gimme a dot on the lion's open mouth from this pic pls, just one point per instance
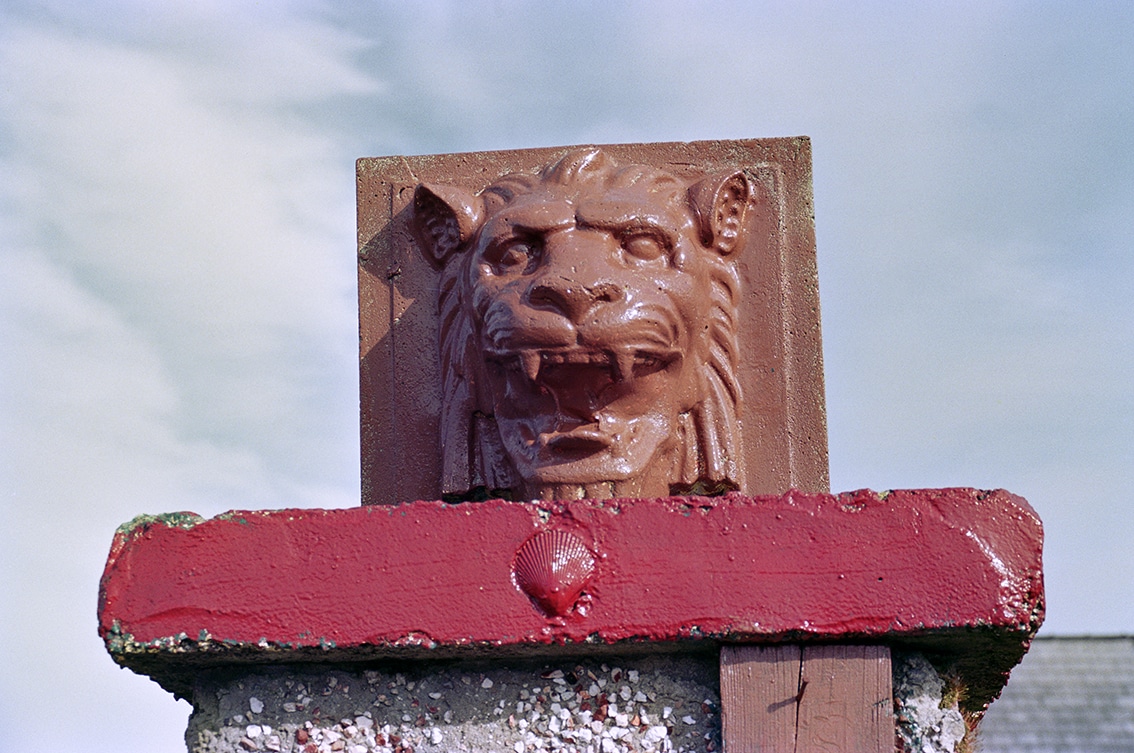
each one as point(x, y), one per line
point(582, 382)
point(587, 369)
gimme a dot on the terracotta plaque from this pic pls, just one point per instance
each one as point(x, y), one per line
point(616, 321)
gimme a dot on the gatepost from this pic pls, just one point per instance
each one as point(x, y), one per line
point(595, 508)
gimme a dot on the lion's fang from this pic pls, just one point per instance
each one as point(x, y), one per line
point(623, 366)
point(530, 360)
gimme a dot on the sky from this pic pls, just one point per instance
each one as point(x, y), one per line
point(177, 244)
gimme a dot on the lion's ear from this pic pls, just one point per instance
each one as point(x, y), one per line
point(720, 202)
point(445, 218)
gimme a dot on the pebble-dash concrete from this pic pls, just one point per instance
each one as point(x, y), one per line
point(664, 703)
point(643, 704)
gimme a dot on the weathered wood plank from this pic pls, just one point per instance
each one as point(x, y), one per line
point(818, 699)
point(759, 686)
point(846, 701)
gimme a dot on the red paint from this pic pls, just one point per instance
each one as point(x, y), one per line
point(851, 566)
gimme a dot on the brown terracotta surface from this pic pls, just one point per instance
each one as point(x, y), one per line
point(781, 414)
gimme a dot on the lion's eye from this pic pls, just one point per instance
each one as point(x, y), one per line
point(643, 246)
point(512, 255)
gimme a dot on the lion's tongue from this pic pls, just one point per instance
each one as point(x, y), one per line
point(578, 391)
point(585, 441)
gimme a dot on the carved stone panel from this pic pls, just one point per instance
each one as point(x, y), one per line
point(617, 321)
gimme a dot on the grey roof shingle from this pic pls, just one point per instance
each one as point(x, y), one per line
point(1072, 695)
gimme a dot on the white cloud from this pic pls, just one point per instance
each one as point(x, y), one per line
point(85, 420)
point(207, 219)
point(178, 321)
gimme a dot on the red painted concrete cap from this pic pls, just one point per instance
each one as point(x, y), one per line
point(951, 570)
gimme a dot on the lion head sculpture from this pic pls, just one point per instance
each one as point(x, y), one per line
point(588, 330)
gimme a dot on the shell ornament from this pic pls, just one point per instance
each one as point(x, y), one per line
point(553, 567)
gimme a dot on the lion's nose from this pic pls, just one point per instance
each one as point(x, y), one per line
point(572, 299)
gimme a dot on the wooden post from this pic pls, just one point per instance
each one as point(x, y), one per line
point(759, 691)
point(815, 699)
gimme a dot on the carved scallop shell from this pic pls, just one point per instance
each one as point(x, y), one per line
point(552, 568)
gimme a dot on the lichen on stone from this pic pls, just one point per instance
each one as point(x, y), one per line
point(928, 713)
point(169, 519)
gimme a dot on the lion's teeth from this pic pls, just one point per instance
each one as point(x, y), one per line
point(623, 366)
point(530, 361)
